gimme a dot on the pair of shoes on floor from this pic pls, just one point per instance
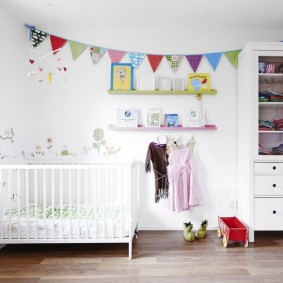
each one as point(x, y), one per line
point(199, 234)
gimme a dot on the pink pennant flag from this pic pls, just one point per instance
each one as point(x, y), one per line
point(194, 61)
point(116, 56)
point(154, 61)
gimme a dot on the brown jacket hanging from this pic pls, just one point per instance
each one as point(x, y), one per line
point(156, 154)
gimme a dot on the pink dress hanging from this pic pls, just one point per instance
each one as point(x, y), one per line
point(184, 192)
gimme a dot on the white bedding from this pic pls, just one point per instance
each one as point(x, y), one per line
point(69, 222)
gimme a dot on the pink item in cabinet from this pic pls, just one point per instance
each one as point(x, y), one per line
point(270, 68)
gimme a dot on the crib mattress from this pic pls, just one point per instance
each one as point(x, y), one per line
point(66, 222)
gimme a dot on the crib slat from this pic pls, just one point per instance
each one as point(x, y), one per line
point(52, 202)
point(27, 182)
point(1, 205)
point(18, 201)
point(86, 202)
point(61, 202)
point(69, 201)
point(78, 202)
point(10, 202)
point(44, 202)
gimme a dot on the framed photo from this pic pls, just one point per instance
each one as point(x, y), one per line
point(179, 84)
point(194, 117)
point(153, 117)
point(127, 117)
point(145, 82)
point(199, 82)
point(164, 83)
point(171, 120)
point(121, 76)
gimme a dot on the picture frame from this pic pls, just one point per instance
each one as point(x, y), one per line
point(164, 83)
point(153, 117)
point(194, 117)
point(127, 117)
point(145, 82)
point(199, 82)
point(179, 84)
point(171, 120)
point(121, 76)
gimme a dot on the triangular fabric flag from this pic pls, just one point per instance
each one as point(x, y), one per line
point(76, 48)
point(136, 58)
point(154, 61)
point(37, 37)
point(232, 56)
point(56, 43)
point(194, 61)
point(213, 59)
point(116, 56)
point(174, 61)
point(96, 53)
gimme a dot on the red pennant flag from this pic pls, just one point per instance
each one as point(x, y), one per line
point(116, 56)
point(57, 43)
point(154, 61)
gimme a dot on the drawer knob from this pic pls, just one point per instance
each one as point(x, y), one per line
point(274, 167)
point(274, 211)
point(274, 185)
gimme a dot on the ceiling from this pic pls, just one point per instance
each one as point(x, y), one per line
point(82, 19)
point(235, 14)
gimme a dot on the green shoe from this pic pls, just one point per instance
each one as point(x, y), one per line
point(201, 232)
point(188, 232)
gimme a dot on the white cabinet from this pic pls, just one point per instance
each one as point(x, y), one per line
point(260, 136)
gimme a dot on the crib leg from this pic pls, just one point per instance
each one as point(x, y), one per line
point(130, 248)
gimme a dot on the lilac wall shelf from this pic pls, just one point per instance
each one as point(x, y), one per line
point(163, 128)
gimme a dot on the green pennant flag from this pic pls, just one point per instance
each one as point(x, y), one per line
point(232, 56)
point(76, 48)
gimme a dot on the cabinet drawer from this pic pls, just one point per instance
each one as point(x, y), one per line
point(269, 213)
point(268, 185)
point(269, 167)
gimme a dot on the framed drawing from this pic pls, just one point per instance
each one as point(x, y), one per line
point(199, 82)
point(153, 117)
point(171, 120)
point(127, 117)
point(164, 83)
point(145, 82)
point(179, 84)
point(121, 76)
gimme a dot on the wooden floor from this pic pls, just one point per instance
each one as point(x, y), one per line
point(158, 256)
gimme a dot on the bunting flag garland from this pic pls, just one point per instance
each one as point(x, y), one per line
point(76, 48)
point(232, 56)
point(154, 61)
point(136, 58)
point(56, 43)
point(194, 61)
point(37, 37)
point(213, 59)
point(174, 61)
point(96, 53)
point(116, 56)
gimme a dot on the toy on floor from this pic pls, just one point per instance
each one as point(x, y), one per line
point(201, 232)
point(188, 232)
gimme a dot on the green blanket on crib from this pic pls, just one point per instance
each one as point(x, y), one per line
point(73, 212)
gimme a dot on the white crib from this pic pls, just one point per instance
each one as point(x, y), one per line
point(91, 203)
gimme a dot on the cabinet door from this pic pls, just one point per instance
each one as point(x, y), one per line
point(269, 104)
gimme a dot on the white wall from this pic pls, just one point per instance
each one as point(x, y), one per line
point(68, 112)
point(13, 87)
